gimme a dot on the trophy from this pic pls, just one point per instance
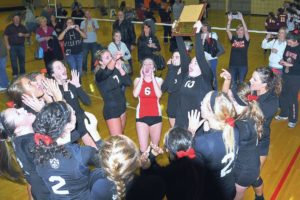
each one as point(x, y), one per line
point(188, 17)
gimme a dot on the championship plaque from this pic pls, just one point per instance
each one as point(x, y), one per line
point(188, 17)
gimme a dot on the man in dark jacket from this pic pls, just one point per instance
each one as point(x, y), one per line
point(127, 31)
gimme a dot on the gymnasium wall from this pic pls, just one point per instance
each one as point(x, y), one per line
point(265, 6)
point(260, 7)
point(10, 3)
point(86, 3)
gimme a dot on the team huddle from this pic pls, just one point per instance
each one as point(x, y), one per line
point(217, 144)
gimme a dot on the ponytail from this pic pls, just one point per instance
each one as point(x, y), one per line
point(244, 98)
point(8, 165)
point(119, 160)
point(228, 138)
point(224, 112)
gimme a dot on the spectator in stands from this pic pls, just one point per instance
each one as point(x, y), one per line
point(30, 21)
point(277, 46)
point(127, 31)
point(3, 75)
point(61, 12)
point(147, 42)
point(75, 5)
point(238, 64)
point(47, 38)
point(72, 37)
point(271, 23)
point(165, 17)
point(177, 8)
point(46, 12)
point(14, 37)
point(282, 17)
point(56, 25)
point(77, 12)
point(89, 26)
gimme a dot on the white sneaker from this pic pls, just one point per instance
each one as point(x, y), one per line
point(279, 118)
point(291, 125)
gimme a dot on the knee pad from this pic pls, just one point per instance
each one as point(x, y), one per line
point(258, 182)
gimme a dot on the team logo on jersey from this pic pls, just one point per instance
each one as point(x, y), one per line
point(54, 163)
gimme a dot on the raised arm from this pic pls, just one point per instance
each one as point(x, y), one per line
point(137, 86)
point(247, 36)
point(201, 60)
point(157, 82)
point(185, 59)
point(267, 44)
point(229, 34)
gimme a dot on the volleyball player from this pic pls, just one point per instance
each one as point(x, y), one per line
point(110, 77)
point(172, 84)
point(196, 83)
point(217, 148)
point(267, 86)
point(72, 92)
point(250, 125)
point(120, 160)
point(17, 125)
point(147, 88)
point(62, 165)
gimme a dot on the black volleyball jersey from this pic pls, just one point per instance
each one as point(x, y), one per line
point(22, 146)
point(193, 89)
point(210, 151)
point(109, 83)
point(68, 177)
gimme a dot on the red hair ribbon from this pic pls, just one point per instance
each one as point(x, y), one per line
point(190, 153)
point(44, 138)
point(10, 104)
point(229, 121)
point(276, 71)
point(251, 97)
point(296, 31)
point(43, 71)
point(96, 63)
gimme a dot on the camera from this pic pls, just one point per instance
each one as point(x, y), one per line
point(234, 14)
point(73, 26)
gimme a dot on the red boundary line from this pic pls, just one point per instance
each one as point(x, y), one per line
point(285, 174)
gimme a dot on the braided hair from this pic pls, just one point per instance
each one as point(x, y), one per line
point(119, 159)
point(50, 123)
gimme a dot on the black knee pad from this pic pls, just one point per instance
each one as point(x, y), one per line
point(258, 182)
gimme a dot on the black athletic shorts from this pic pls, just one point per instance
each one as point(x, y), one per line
point(113, 111)
point(152, 120)
point(173, 101)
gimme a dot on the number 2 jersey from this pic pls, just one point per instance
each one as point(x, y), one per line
point(210, 151)
point(68, 177)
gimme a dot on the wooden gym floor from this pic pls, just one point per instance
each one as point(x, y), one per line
point(281, 173)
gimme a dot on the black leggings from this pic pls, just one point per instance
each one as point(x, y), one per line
point(289, 97)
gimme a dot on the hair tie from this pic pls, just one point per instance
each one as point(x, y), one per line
point(230, 121)
point(10, 104)
point(44, 138)
point(296, 31)
point(43, 71)
point(251, 97)
point(276, 71)
point(190, 153)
